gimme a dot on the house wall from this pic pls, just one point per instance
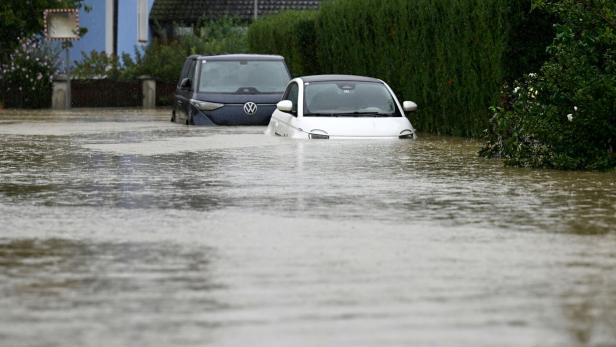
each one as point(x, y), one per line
point(128, 26)
point(99, 22)
point(95, 21)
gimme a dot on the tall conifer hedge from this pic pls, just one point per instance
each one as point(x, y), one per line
point(291, 34)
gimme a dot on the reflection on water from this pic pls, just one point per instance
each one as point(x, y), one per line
point(58, 289)
point(120, 228)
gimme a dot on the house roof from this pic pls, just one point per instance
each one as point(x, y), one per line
point(190, 11)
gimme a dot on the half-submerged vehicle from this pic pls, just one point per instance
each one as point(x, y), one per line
point(340, 107)
point(234, 89)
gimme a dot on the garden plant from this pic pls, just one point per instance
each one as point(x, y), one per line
point(564, 116)
point(26, 77)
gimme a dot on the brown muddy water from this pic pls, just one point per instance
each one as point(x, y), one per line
point(119, 228)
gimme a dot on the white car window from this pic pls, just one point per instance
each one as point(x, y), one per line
point(292, 94)
point(348, 98)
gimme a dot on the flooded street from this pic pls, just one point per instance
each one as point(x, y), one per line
point(119, 228)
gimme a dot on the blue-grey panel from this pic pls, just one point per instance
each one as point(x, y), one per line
point(94, 21)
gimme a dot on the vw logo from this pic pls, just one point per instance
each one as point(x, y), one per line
point(250, 108)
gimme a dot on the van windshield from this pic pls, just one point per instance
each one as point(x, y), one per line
point(348, 99)
point(243, 77)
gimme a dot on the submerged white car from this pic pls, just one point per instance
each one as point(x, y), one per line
point(340, 107)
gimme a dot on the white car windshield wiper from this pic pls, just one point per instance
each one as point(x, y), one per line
point(320, 114)
point(363, 114)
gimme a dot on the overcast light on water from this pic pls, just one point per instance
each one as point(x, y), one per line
point(119, 228)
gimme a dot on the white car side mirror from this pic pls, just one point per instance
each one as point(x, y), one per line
point(409, 106)
point(285, 106)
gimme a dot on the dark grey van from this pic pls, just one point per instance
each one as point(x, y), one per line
point(234, 89)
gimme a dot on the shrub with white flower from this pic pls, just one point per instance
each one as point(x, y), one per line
point(26, 77)
point(564, 115)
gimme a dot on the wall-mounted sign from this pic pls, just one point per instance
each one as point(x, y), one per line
point(62, 24)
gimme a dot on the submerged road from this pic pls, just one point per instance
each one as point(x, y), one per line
point(119, 228)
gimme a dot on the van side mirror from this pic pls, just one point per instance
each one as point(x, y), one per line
point(409, 106)
point(285, 106)
point(186, 83)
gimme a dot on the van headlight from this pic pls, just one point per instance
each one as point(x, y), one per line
point(318, 134)
point(407, 134)
point(205, 105)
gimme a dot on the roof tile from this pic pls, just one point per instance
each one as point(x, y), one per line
point(190, 11)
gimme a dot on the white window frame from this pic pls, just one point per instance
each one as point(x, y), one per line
point(142, 21)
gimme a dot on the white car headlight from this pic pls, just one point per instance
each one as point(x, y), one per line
point(407, 134)
point(318, 134)
point(205, 105)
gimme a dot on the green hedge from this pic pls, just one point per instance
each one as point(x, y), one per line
point(444, 54)
point(564, 116)
point(450, 56)
point(291, 34)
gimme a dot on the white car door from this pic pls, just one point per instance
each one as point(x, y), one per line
point(284, 122)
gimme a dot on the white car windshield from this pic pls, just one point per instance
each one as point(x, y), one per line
point(348, 99)
point(243, 77)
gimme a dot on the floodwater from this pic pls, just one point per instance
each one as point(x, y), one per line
point(119, 228)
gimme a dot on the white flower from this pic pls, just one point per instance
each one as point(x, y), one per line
point(575, 108)
point(532, 74)
point(570, 117)
point(516, 90)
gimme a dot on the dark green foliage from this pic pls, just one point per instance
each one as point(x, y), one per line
point(19, 19)
point(290, 34)
point(97, 65)
point(531, 31)
point(565, 116)
point(162, 60)
point(26, 78)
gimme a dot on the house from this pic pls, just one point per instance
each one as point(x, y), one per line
point(168, 14)
point(114, 27)
point(120, 26)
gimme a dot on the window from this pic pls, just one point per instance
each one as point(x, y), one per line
point(184, 73)
point(350, 99)
point(142, 20)
point(191, 71)
point(243, 77)
point(188, 71)
point(292, 94)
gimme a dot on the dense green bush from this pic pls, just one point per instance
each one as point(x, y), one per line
point(530, 32)
point(565, 116)
point(98, 65)
point(291, 34)
point(26, 78)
